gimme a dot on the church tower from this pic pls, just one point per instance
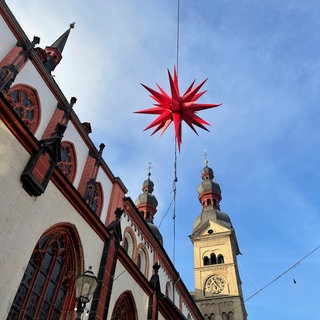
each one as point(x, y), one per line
point(147, 205)
point(218, 292)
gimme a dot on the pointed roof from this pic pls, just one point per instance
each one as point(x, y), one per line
point(60, 43)
point(54, 52)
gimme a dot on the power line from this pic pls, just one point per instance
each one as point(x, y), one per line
point(283, 273)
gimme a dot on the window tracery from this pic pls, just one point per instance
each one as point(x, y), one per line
point(24, 100)
point(68, 160)
point(124, 308)
point(48, 282)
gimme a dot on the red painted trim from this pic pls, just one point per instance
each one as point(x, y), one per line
point(32, 94)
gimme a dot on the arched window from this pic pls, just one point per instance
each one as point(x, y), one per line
point(98, 199)
point(125, 245)
point(231, 316)
point(213, 259)
point(46, 290)
point(142, 261)
point(94, 196)
point(25, 101)
point(220, 258)
point(205, 261)
point(208, 202)
point(212, 316)
point(68, 160)
point(125, 308)
point(129, 243)
point(224, 316)
point(169, 291)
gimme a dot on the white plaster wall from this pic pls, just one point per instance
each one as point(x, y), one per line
point(71, 134)
point(163, 279)
point(25, 218)
point(107, 189)
point(29, 75)
point(7, 39)
point(126, 222)
point(122, 282)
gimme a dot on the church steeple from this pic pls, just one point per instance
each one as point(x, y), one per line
point(209, 191)
point(54, 52)
point(147, 204)
point(218, 292)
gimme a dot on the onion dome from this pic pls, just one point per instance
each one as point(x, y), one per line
point(209, 195)
point(147, 205)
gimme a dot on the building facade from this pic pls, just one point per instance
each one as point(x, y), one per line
point(218, 292)
point(63, 209)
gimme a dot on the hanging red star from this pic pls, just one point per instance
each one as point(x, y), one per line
point(177, 108)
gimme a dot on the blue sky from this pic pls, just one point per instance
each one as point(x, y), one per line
point(262, 61)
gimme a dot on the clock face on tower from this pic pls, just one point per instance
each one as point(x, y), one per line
point(215, 284)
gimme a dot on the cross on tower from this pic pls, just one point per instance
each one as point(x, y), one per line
point(205, 157)
point(149, 170)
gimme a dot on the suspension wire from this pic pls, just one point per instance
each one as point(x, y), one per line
point(174, 187)
point(283, 273)
point(175, 179)
point(278, 277)
point(178, 35)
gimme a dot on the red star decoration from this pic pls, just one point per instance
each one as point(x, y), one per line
point(177, 108)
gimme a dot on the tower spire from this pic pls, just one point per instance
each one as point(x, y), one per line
point(147, 204)
point(54, 52)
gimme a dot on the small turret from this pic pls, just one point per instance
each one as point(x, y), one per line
point(54, 52)
point(147, 205)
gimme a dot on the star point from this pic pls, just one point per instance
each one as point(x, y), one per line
point(177, 108)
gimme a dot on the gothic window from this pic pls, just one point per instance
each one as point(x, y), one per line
point(46, 290)
point(142, 261)
point(24, 100)
point(205, 261)
point(128, 243)
point(68, 160)
point(94, 196)
point(220, 258)
point(224, 316)
point(139, 261)
point(213, 259)
point(125, 308)
point(169, 291)
point(212, 316)
point(231, 316)
point(125, 245)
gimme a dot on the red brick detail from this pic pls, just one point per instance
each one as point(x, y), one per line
point(9, 58)
point(86, 174)
point(41, 168)
point(116, 201)
point(106, 285)
point(55, 119)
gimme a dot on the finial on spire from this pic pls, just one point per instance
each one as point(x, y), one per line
point(205, 157)
point(71, 25)
point(149, 170)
